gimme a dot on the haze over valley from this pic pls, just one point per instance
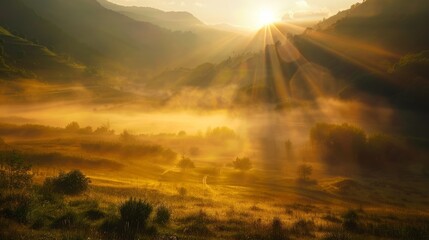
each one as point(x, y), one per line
point(214, 119)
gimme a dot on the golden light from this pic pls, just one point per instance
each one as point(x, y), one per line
point(266, 17)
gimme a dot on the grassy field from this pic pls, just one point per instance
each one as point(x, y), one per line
point(210, 200)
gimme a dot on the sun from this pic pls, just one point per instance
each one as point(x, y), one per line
point(266, 17)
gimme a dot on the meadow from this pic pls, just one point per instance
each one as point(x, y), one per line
point(206, 189)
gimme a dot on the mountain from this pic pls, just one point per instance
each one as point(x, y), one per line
point(362, 45)
point(398, 25)
point(224, 39)
point(22, 21)
point(20, 57)
point(183, 21)
point(93, 35)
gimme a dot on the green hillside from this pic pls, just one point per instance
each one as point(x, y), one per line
point(100, 38)
point(22, 58)
point(398, 25)
point(362, 45)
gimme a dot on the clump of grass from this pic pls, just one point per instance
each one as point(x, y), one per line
point(65, 221)
point(133, 221)
point(277, 231)
point(197, 228)
point(163, 215)
point(134, 215)
point(39, 223)
point(303, 228)
point(94, 214)
point(331, 218)
point(16, 207)
point(351, 221)
point(197, 224)
point(337, 236)
point(74, 237)
point(182, 191)
point(111, 227)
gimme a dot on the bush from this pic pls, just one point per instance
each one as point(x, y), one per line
point(304, 172)
point(14, 171)
point(71, 183)
point(16, 207)
point(162, 215)
point(339, 144)
point(303, 228)
point(350, 221)
point(72, 127)
point(65, 221)
point(186, 163)
point(242, 164)
point(182, 191)
point(94, 214)
point(134, 215)
point(277, 232)
point(111, 226)
point(337, 236)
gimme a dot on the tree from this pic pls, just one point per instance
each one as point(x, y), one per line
point(73, 127)
point(242, 164)
point(186, 163)
point(304, 172)
point(14, 171)
point(71, 183)
point(339, 145)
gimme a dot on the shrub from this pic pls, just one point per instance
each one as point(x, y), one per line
point(242, 164)
point(186, 163)
point(339, 144)
point(111, 226)
point(197, 228)
point(72, 127)
point(94, 214)
point(16, 207)
point(182, 191)
point(303, 228)
point(337, 236)
point(71, 183)
point(304, 172)
point(162, 215)
point(350, 221)
point(135, 214)
point(65, 221)
point(277, 232)
point(14, 171)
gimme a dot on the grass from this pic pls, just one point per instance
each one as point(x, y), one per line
point(212, 201)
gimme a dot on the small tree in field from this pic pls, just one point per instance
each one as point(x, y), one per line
point(186, 163)
point(304, 172)
point(73, 127)
point(14, 171)
point(242, 164)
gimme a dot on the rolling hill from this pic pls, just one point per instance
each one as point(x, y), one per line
point(182, 21)
point(25, 59)
point(93, 35)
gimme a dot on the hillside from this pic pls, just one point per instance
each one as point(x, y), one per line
point(360, 46)
point(170, 20)
point(400, 26)
point(78, 29)
point(22, 58)
point(224, 39)
point(22, 21)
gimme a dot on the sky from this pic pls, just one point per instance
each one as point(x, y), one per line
point(248, 13)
